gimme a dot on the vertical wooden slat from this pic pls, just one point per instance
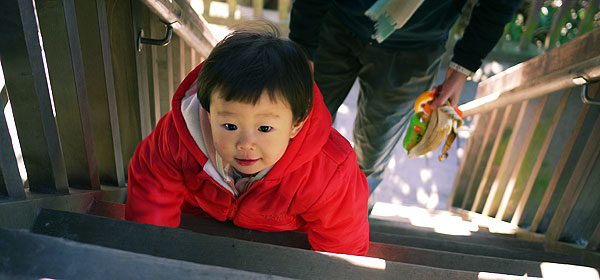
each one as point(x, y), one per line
point(594, 241)
point(258, 8)
point(10, 180)
point(526, 141)
point(232, 7)
point(460, 189)
point(561, 164)
point(484, 152)
point(110, 92)
point(585, 215)
point(170, 67)
point(59, 28)
point(489, 173)
point(576, 183)
point(531, 24)
point(193, 59)
point(182, 59)
point(29, 92)
point(141, 64)
point(175, 64)
point(88, 25)
point(123, 49)
point(457, 194)
point(149, 17)
point(163, 85)
point(187, 59)
point(158, 55)
point(155, 72)
point(283, 6)
point(588, 21)
point(91, 163)
point(507, 163)
point(206, 10)
point(540, 158)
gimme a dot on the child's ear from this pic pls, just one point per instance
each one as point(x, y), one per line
point(296, 127)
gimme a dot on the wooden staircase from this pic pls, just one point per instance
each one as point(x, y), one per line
point(99, 244)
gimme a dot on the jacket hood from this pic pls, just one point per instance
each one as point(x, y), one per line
point(305, 146)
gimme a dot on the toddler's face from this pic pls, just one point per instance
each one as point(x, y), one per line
point(251, 137)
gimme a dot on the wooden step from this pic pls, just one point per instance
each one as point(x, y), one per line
point(473, 249)
point(179, 244)
point(33, 256)
point(406, 253)
point(500, 240)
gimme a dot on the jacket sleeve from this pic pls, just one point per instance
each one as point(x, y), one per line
point(483, 32)
point(338, 220)
point(155, 186)
point(305, 23)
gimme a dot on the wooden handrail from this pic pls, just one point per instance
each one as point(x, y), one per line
point(189, 26)
point(544, 74)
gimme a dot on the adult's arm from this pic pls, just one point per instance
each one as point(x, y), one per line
point(483, 32)
point(155, 186)
point(305, 23)
point(481, 35)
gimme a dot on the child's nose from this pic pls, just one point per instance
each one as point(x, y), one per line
point(245, 143)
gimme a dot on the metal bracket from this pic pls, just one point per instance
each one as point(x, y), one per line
point(158, 42)
point(584, 91)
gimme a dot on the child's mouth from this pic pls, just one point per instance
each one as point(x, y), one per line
point(246, 162)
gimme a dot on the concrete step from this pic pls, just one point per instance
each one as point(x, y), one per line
point(185, 245)
point(26, 255)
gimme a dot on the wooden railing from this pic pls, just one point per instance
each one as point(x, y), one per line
point(84, 93)
point(533, 158)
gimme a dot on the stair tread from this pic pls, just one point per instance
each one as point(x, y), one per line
point(65, 259)
point(215, 250)
point(401, 228)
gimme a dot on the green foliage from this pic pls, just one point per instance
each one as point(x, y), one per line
point(582, 16)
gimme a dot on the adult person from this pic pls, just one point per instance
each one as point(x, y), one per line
point(393, 64)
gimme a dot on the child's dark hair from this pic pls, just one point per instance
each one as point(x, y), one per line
point(249, 62)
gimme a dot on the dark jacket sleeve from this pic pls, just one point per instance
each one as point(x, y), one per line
point(483, 32)
point(155, 185)
point(338, 221)
point(305, 23)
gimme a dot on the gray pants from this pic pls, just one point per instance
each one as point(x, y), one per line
point(390, 81)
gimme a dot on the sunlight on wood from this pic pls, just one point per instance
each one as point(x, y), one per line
point(367, 262)
point(566, 271)
point(443, 222)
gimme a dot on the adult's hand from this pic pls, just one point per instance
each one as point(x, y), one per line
point(450, 89)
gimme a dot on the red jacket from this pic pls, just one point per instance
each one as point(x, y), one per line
point(315, 187)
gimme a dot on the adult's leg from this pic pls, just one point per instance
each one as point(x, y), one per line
point(390, 81)
point(336, 63)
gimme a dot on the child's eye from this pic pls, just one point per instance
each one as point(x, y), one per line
point(230, 126)
point(265, 128)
